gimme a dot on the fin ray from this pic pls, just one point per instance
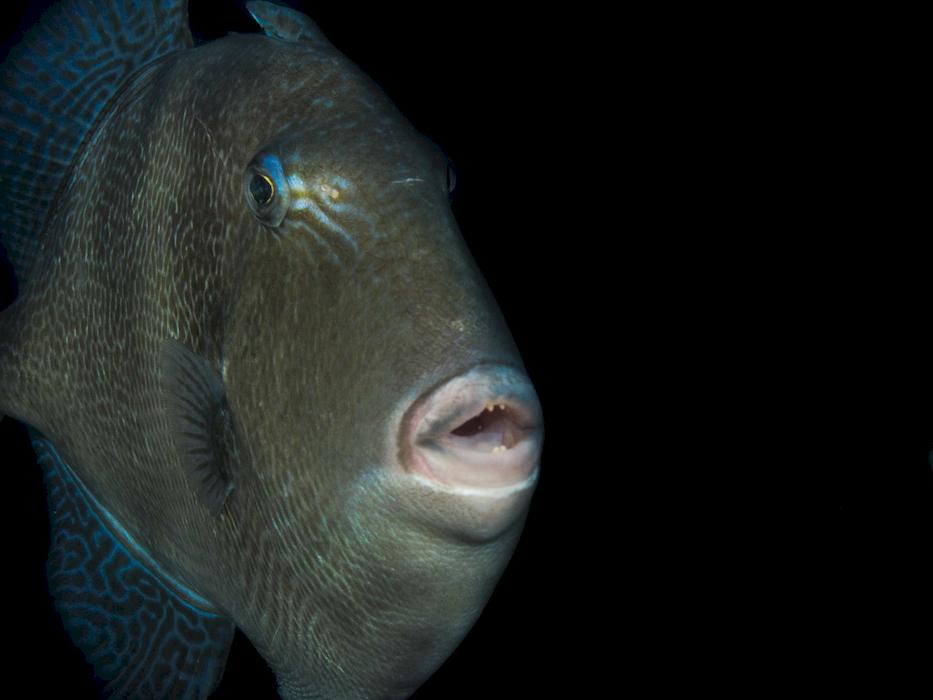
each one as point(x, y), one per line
point(195, 400)
point(283, 22)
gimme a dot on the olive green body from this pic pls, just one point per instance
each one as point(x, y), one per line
point(349, 585)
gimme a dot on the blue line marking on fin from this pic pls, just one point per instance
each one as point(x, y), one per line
point(54, 85)
point(145, 634)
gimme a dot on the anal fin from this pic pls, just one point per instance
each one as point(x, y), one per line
point(145, 635)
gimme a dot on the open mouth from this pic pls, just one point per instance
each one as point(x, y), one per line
point(496, 429)
point(481, 430)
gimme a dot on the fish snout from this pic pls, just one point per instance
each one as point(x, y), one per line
point(478, 434)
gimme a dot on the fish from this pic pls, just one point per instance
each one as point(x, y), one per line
point(267, 385)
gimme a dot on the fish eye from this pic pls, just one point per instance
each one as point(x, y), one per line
point(262, 189)
point(266, 190)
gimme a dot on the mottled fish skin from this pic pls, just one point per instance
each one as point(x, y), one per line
point(348, 582)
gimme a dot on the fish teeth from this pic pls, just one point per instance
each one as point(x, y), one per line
point(500, 448)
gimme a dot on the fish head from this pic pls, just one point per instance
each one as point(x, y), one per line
point(388, 434)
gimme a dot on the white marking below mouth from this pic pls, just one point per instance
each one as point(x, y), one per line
point(486, 492)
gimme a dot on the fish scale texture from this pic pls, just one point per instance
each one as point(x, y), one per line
point(53, 87)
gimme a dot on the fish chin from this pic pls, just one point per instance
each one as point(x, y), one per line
point(398, 685)
point(377, 617)
point(314, 692)
point(434, 553)
point(402, 645)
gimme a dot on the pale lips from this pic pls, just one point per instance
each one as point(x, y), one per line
point(478, 433)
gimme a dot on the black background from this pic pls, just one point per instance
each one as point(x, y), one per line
point(504, 93)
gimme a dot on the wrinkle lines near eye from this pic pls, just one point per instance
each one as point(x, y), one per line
point(306, 234)
point(306, 204)
point(323, 212)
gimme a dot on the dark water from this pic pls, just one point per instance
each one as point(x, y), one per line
point(478, 81)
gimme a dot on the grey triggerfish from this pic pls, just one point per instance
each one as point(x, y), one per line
point(266, 382)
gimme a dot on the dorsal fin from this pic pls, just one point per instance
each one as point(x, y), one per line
point(283, 22)
point(53, 86)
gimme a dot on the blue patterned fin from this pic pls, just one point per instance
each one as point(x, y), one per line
point(146, 635)
point(53, 86)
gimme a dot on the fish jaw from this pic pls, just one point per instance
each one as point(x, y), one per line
point(476, 438)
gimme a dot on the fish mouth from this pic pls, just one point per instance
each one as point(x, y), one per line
point(479, 433)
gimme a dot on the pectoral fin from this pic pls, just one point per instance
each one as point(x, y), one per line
point(202, 424)
point(145, 634)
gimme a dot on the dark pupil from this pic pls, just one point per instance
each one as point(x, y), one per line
point(260, 187)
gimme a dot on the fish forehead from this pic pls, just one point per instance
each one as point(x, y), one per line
point(349, 156)
point(294, 92)
point(346, 150)
point(369, 177)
